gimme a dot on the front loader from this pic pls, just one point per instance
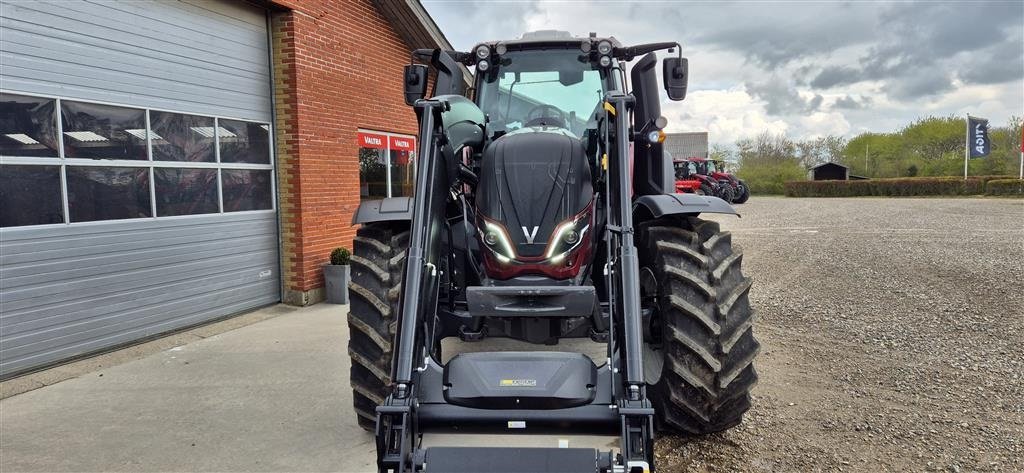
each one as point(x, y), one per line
point(544, 210)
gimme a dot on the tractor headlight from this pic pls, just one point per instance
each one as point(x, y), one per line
point(604, 47)
point(483, 65)
point(567, 237)
point(482, 51)
point(604, 61)
point(496, 239)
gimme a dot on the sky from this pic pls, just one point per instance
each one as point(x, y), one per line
point(806, 69)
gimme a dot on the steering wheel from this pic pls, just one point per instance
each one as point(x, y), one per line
point(538, 116)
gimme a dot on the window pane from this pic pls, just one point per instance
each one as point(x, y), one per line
point(107, 193)
point(28, 126)
point(30, 195)
point(402, 173)
point(244, 142)
point(246, 190)
point(185, 191)
point(103, 131)
point(180, 137)
point(372, 174)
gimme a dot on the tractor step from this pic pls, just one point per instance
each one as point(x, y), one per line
point(520, 380)
point(515, 460)
point(531, 301)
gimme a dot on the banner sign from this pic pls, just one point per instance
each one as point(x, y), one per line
point(381, 141)
point(977, 137)
point(373, 140)
point(400, 143)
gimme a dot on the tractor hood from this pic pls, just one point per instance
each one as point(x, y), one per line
point(532, 181)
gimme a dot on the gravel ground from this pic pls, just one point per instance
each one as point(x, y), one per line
point(891, 334)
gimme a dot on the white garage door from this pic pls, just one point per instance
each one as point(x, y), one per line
point(136, 172)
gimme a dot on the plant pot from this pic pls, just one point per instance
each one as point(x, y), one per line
point(336, 278)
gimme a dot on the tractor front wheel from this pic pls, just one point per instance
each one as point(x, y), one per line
point(699, 346)
point(378, 259)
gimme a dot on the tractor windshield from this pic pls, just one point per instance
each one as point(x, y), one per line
point(542, 88)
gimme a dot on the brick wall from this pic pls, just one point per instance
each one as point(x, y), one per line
point(337, 67)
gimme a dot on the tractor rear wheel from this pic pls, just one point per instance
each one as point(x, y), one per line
point(705, 190)
point(378, 261)
point(743, 195)
point(699, 346)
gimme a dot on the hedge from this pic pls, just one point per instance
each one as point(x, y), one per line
point(1013, 187)
point(909, 186)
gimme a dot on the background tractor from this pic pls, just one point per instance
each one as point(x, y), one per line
point(544, 210)
point(689, 181)
point(731, 188)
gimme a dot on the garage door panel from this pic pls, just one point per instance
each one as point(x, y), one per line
point(149, 313)
point(168, 93)
point(45, 351)
point(38, 51)
point(121, 31)
point(71, 310)
point(110, 237)
point(253, 263)
point(41, 273)
point(231, 57)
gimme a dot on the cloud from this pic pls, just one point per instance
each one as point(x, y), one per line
point(832, 76)
point(849, 102)
point(727, 115)
point(923, 48)
point(781, 98)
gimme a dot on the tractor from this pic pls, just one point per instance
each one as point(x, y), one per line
point(544, 210)
point(732, 189)
point(688, 180)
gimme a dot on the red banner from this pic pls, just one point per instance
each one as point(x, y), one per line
point(402, 143)
point(373, 140)
point(380, 141)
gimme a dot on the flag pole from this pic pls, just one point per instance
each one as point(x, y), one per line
point(1021, 175)
point(967, 143)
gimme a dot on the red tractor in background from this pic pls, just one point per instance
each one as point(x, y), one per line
point(690, 181)
point(732, 189)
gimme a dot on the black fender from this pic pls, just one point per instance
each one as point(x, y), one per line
point(649, 207)
point(392, 209)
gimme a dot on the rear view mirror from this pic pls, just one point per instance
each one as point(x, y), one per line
point(415, 83)
point(571, 77)
point(676, 74)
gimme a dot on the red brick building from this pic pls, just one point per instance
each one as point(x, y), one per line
point(338, 100)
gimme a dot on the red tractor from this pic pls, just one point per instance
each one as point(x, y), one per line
point(731, 189)
point(690, 181)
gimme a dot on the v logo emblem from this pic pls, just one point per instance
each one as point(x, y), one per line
point(530, 235)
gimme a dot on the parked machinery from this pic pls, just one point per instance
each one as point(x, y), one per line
point(529, 222)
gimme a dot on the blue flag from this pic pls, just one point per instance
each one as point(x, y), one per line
point(977, 137)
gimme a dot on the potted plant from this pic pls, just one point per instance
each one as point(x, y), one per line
point(337, 274)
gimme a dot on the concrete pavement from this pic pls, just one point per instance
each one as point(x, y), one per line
point(269, 396)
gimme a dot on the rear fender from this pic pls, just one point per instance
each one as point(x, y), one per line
point(392, 209)
point(650, 207)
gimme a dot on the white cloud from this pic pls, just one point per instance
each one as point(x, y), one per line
point(727, 115)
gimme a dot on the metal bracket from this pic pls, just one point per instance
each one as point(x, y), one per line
point(395, 435)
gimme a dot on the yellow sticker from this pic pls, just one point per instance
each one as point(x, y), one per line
point(604, 161)
point(518, 383)
point(609, 108)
